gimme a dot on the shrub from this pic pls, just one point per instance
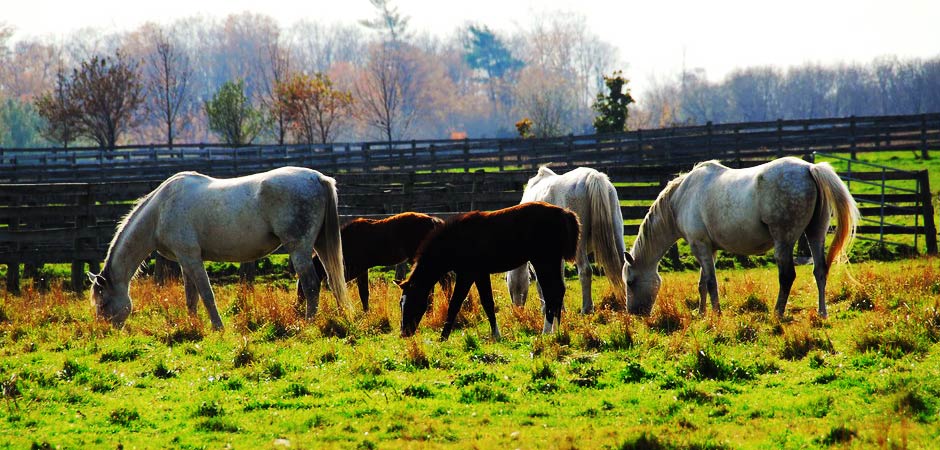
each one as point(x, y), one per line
point(839, 435)
point(417, 391)
point(209, 409)
point(633, 372)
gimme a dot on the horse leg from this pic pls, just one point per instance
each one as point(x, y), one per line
point(196, 273)
point(461, 290)
point(584, 275)
point(783, 253)
point(192, 295)
point(708, 282)
point(363, 282)
point(308, 283)
point(485, 290)
point(553, 284)
point(817, 248)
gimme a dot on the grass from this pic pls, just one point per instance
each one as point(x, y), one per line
point(868, 376)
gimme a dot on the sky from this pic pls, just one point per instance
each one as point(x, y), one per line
point(655, 38)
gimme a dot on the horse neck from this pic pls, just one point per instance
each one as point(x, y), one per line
point(428, 269)
point(132, 243)
point(657, 234)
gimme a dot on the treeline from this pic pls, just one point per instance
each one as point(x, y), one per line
point(386, 80)
point(380, 79)
point(886, 85)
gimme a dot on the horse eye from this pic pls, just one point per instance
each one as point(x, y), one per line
point(630, 283)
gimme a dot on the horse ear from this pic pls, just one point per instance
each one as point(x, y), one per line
point(400, 283)
point(629, 258)
point(92, 277)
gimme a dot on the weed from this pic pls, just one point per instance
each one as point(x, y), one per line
point(217, 425)
point(488, 358)
point(587, 378)
point(120, 355)
point(482, 393)
point(826, 377)
point(914, 402)
point(162, 371)
point(298, 390)
point(666, 317)
point(709, 365)
point(621, 337)
point(417, 391)
point(123, 417)
point(274, 369)
point(467, 379)
point(415, 355)
point(644, 441)
point(470, 343)
point(70, 369)
point(839, 435)
point(244, 356)
point(798, 342)
point(209, 409)
point(753, 304)
point(819, 407)
point(633, 372)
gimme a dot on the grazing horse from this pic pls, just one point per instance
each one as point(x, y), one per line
point(746, 212)
point(476, 244)
point(191, 218)
point(590, 195)
point(369, 243)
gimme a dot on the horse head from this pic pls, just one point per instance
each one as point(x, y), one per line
point(414, 304)
point(518, 281)
point(113, 305)
point(642, 286)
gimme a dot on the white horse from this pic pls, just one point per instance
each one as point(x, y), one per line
point(191, 218)
point(746, 212)
point(590, 195)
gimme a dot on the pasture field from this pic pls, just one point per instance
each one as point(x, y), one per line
point(867, 377)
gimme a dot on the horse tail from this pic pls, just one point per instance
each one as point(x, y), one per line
point(835, 196)
point(606, 225)
point(329, 246)
point(572, 228)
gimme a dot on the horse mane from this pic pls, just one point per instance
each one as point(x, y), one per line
point(543, 172)
point(139, 205)
point(660, 219)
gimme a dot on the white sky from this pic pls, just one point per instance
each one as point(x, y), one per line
point(652, 35)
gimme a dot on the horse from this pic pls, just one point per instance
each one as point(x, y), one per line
point(475, 244)
point(191, 218)
point(369, 243)
point(746, 212)
point(593, 198)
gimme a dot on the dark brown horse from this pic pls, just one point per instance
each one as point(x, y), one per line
point(393, 240)
point(476, 244)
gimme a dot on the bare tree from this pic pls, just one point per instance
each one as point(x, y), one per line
point(275, 69)
point(61, 116)
point(107, 91)
point(169, 74)
point(547, 99)
point(387, 90)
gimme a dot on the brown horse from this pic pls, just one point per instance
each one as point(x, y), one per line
point(476, 244)
point(393, 240)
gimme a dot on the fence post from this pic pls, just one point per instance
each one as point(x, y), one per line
point(852, 137)
point(433, 152)
point(466, 156)
point(708, 136)
point(779, 138)
point(930, 226)
point(366, 158)
point(924, 153)
point(569, 142)
point(500, 151)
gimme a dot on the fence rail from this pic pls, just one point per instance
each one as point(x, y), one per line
point(671, 147)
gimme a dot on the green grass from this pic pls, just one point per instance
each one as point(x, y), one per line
point(869, 376)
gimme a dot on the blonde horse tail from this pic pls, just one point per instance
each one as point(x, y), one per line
point(329, 247)
point(835, 197)
point(606, 225)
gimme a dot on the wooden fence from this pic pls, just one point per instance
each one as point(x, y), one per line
point(74, 222)
point(670, 147)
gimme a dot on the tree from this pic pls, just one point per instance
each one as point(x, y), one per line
point(389, 22)
point(232, 116)
point(546, 98)
point(18, 124)
point(387, 90)
point(612, 108)
point(107, 92)
point(169, 75)
point(488, 55)
point(61, 116)
point(314, 110)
